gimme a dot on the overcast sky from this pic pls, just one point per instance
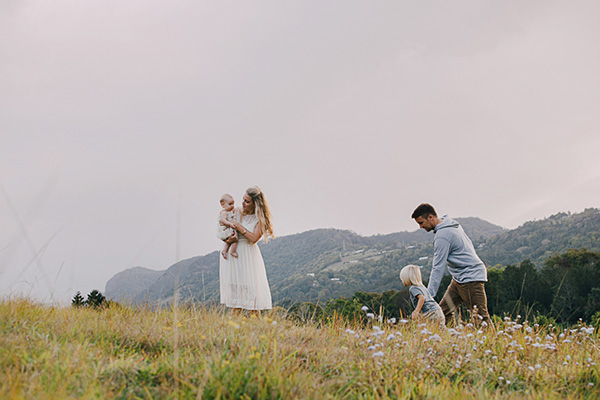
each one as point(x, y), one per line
point(123, 122)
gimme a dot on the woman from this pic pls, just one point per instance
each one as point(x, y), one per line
point(243, 279)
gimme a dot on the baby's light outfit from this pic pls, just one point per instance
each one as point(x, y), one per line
point(223, 231)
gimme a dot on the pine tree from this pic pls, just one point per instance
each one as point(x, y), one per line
point(78, 300)
point(95, 299)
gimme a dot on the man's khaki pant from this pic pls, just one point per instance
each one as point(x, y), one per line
point(472, 294)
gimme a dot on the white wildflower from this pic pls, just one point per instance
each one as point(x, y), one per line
point(378, 354)
point(364, 308)
point(435, 338)
point(370, 315)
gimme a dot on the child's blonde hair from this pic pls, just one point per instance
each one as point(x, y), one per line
point(411, 275)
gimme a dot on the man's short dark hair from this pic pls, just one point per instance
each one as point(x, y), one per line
point(424, 210)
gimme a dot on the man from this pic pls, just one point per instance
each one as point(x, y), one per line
point(452, 247)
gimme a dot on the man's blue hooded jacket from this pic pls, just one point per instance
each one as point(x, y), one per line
point(452, 247)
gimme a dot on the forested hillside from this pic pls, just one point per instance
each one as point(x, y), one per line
point(538, 240)
point(323, 264)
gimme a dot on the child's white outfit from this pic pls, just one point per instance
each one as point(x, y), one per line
point(223, 231)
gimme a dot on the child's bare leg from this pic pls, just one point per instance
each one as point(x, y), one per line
point(233, 249)
point(225, 250)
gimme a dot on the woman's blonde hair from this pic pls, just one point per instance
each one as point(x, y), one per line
point(263, 211)
point(411, 275)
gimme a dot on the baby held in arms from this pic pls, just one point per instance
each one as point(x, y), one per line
point(226, 229)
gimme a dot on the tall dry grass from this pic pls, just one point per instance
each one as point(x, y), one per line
point(62, 353)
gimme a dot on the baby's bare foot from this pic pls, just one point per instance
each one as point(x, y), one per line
point(234, 253)
point(224, 254)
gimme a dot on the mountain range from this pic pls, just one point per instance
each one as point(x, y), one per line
point(322, 264)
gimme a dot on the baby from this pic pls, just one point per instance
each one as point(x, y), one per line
point(226, 228)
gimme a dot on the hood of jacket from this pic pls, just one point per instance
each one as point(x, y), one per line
point(447, 222)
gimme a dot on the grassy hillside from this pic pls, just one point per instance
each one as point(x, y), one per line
point(193, 352)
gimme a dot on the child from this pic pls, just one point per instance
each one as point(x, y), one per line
point(226, 228)
point(420, 296)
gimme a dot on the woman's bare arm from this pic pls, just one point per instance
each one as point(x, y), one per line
point(252, 237)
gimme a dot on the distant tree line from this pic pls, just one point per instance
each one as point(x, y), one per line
point(95, 299)
point(565, 290)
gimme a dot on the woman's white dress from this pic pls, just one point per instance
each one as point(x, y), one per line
point(243, 279)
